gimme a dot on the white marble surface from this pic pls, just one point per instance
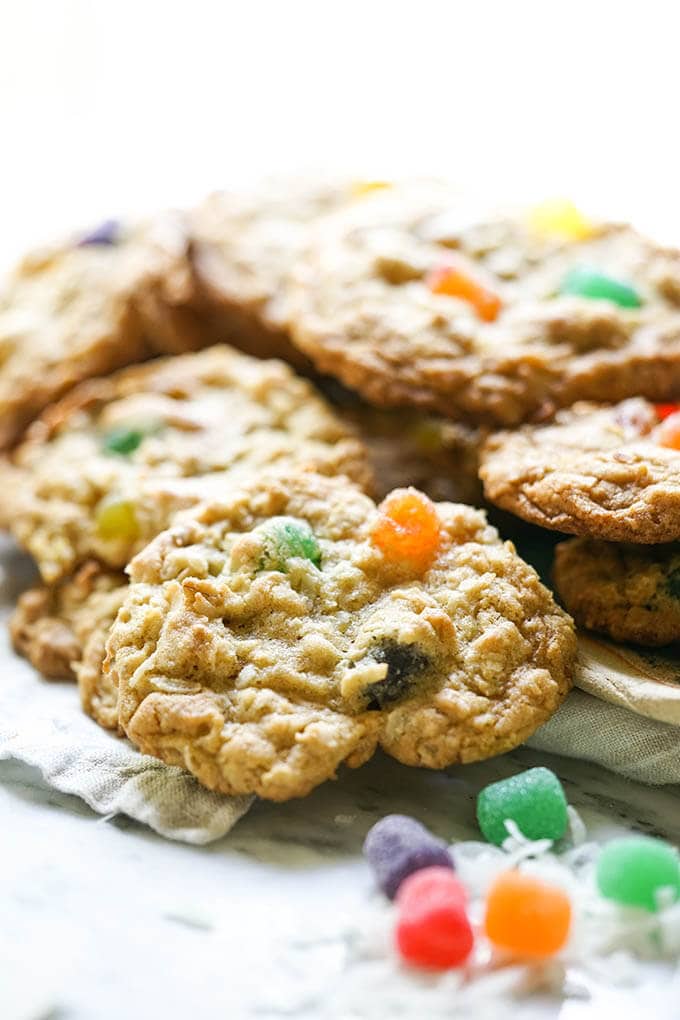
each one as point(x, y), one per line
point(103, 919)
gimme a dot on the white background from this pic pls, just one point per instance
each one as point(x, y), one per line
point(121, 105)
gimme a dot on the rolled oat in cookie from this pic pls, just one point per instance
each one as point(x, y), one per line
point(629, 592)
point(609, 472)
point(411, 298)
point(107, 468)
point(272, 636)
point(94, 304)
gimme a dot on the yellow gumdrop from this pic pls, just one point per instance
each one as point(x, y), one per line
point(558, 217)
point(117, 521)
point(360, 188)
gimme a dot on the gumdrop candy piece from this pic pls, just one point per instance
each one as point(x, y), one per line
point(590, 283)
point(560, 218)
point(534, 800)
point(634, 869)
point(408, 529)
point(106, 233)
point(455, 281)
point(667, 432)
point(526, 916)
point(116, 520)
point(397, 846)
point(122, 440)
point(284, 539)
point(433, 929)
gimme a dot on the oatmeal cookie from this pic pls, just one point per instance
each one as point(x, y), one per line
point(409, 298)
point(243, 243)
point(86, 308)
point(105, 470)
point(631, 593)
point(602, 472)
point(294, 626)
point(62, 631)
point(407, 447)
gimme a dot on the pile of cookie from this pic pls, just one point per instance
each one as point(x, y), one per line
point(243, 445)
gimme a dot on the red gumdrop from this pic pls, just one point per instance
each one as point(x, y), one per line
point(665, 410)
point(433, 929)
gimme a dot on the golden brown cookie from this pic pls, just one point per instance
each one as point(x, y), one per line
point(107, 468)
point(631, 593)
point(293, 626)
point(243, 243)
point(602, 472)
point(406, 447)
point(62, 631)
point(90, 306)
point(409, 298)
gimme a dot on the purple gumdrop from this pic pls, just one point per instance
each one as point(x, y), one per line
point(106, 233)
point(397, 846)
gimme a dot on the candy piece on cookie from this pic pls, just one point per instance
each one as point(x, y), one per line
point(629, 592)
point(599, 471)
point(412, 299)
point(107, 468)
point(263, 672)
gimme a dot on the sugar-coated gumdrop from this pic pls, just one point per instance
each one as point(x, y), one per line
point(433, 929)
point(122, 440)
point(667, 433)
point(526, 916)
point(457, 282)
point(590, 283)
point(534, 800)
point(106, 233)
point(408, 529)
point(397, 846)
point(634, 869)
point(664, 411)
point(284, 539)
point(117, 520)
point(559, 218)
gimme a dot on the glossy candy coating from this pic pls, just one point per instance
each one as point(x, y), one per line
point(534, 800)
point(457, 282)
point(122, 440)
point(397, 846)
point(433, 929)
point(117, 520)
point(632, 870)
point(559, 218)
point(525, 916)
point(408, 529)
point(590, 283)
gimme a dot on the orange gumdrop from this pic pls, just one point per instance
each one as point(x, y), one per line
point(665, 410)
point(668, 432)
point(455, 282)
point(525, 916)
point(408, 529)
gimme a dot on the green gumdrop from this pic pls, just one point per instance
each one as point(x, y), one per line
point(286, 538)
point(632, 869)
point(534, 800)
point(122, 440)
point(589, 283)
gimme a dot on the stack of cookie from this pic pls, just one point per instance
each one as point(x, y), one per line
point(217, 574)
